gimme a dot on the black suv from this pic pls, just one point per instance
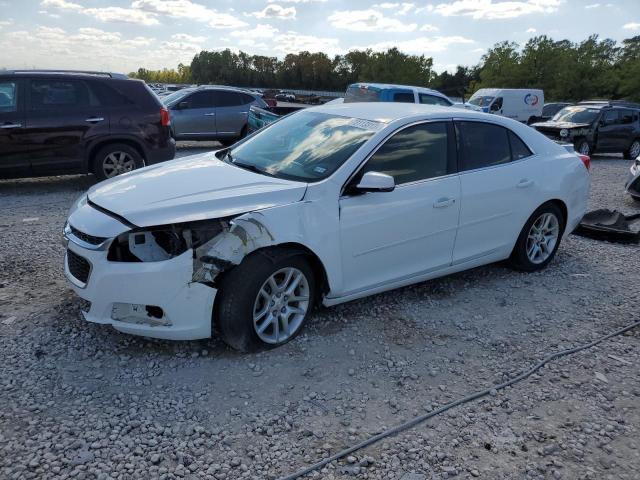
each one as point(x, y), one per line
point(598, 126)
point(63, 122)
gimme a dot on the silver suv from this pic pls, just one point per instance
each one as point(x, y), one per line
point(211, 113)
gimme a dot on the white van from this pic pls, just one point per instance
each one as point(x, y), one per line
point(522, 104)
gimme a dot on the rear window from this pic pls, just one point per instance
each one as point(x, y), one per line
point(103, 94)
point(356, 93)
point(427, 99)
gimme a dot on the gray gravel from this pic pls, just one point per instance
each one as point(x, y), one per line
point(79, 400)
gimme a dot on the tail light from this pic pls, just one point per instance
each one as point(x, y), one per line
point(165, 119)
point(586, 160)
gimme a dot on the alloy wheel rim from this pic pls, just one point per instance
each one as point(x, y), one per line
point(635, 149)
point(281, 305)
point(117, 163)
point(542, 238)
point(584, 148)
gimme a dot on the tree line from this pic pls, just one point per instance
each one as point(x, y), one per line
point(565, 70)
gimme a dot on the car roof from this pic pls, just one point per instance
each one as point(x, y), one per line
point(388, 112)
point(48, 73)
point(395, 85)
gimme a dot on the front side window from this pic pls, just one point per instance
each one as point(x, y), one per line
point(53, 94)
point(481, 101)
point(433, 100)
point(416, 153)
point(304, 146)
point(611, 117)
point(202, 99)
point(482, 145)
point(403, 97)
point(8, 96)
point(357, 93)
point(497, 105)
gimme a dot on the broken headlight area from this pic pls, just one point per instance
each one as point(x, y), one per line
point(156, 244)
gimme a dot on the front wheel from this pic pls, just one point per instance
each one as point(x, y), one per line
point(266, 300)
point(539, 239)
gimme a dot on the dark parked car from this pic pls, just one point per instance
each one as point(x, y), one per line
point(598, 126)
point(62, 122)
point(211, 112)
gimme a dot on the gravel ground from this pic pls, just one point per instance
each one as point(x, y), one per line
point(79, 400)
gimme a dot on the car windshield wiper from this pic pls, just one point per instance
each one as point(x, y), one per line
point(250, 167)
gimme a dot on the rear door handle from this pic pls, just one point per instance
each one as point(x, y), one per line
point(7, 126)
point(524, 183)
point(209, 114)
point(443, 202)
point(94, 119)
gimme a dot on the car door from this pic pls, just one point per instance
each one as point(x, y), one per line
point(391, 236)
point(232, 112)
point(609, 131)
point(62, 118)
point(14, 150)
point(498, 193)
point(626, 131)
point(195, 116)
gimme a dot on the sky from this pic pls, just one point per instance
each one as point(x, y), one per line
point(123, 35)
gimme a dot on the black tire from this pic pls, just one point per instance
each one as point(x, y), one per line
point(635, 145)
point(583, 147)
point(104, 158)
point(519, 259)
point(238, 293)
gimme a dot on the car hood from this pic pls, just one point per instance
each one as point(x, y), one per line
point(560, 125)
point(198, 187)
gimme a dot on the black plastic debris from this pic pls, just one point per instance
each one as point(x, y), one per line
point(610, 225)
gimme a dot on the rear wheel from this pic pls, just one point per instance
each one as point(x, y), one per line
point(265, 300)
point(116, 159)
point(583, 147)
point(634, 150)
point(539, 239)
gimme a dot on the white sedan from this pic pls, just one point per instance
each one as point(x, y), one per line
point(326, 205)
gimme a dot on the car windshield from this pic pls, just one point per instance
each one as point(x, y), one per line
point(356, 93)
point(577, 115)
point(304, 146)
point(173, 97)
point(481, 101)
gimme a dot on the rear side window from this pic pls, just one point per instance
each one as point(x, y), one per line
point(202, 99)
point(403, 97)
point(482, 145)
point(245, 99)
point(103, 94)
point(416, 153)
point(518, 148)
point(626, 117)
point(223, 98)
point(52, 94)
point(8, 96)
point(433, 100)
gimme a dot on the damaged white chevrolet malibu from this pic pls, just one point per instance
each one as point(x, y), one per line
point(326, 205)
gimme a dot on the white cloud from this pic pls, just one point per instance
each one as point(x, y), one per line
point(190, 10)
point(490, 9)
point(531, 30)
point(429, 28)
point(276, 11)
point(593, 5)
point(259, 31)
point(368, 21)
point(292, 42)
point(632, 26)
point(400, 8)
point(106, 14)
point(420, 45)
point(296, 1)
point(6, 23)
point(185, 37)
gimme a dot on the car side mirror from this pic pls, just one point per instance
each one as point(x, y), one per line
point(182, 105)
point(376, 182)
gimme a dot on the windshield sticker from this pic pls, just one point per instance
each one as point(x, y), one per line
point(319, 169)
point(365, 124)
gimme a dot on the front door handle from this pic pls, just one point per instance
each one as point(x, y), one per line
point(94, 119)
point(209, 114)
point(524, 183)
point(443, 202)
point(7, 126)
